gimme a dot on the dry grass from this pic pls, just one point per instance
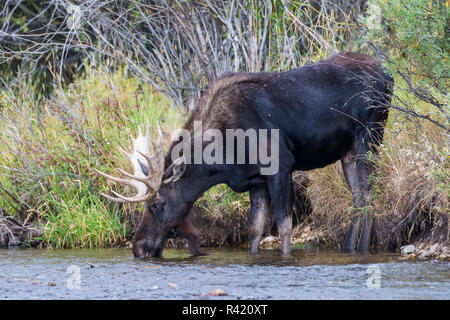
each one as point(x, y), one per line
point(410, 189)
point(412, 179)
point(50, 146)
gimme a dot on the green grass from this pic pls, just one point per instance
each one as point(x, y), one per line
point(80, 219)
point(47, 158)
point(221, 199)
point(50, 166)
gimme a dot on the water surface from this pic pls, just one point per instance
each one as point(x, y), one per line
point(306, 274)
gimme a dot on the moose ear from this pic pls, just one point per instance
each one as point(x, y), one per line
point(176, 170)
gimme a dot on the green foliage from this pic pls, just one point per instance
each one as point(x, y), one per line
point(301, 245)
point(417, 29)
point(49, 149)
point(221, 199)
point(414, 35)
point(79, 218)
point(49, 162)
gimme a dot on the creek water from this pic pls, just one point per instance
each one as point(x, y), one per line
point(305, 274)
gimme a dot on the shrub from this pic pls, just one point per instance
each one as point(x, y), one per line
point(49, 148)
point(413, 37)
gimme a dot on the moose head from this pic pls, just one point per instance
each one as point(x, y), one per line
point(154, 187)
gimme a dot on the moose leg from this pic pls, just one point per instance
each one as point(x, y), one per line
point(189, 232)
point(259, 201)
point(357, 176)
point(364, 240)
point(281, 193)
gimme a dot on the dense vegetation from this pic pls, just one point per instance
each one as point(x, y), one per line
point(76, 81)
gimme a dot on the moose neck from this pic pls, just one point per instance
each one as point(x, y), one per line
point(183, 193)
point(197, 179)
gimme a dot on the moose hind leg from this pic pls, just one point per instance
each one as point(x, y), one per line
point(281, 194)
point(357, 176)
point(364, 240)
point(259, 201)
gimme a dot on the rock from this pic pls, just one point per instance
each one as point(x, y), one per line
point(434, 249)
point(172, 285)
point(444, 256)
point(269, 239)
point(51, 284)
point(446, 250)
point(445, 253)
point(426, 251)
point(411, 256)
point(424, 255)
point(215, 293)
point(406, 250)
point(421, 246)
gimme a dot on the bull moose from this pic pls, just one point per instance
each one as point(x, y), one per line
point(334, 109)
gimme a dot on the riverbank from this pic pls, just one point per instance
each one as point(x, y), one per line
point(50, 193)
point(309, 238)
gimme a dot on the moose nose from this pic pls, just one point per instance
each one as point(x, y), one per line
point(138, 251)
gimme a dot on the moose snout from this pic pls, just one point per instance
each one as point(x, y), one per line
point(147, 248)
point(142, 248)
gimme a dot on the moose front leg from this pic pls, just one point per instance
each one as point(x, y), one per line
point(357, 176)
point(259, 201)
point(189, 232)
point(281, 193)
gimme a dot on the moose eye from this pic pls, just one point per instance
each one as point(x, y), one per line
point(157, 207)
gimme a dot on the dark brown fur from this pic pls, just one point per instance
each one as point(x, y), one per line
point(326, 111)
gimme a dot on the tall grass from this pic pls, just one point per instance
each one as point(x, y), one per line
point(81, 219)
point(410, 185)
point(50, 146)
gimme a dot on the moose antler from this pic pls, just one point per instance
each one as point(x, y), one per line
point(146, 184)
